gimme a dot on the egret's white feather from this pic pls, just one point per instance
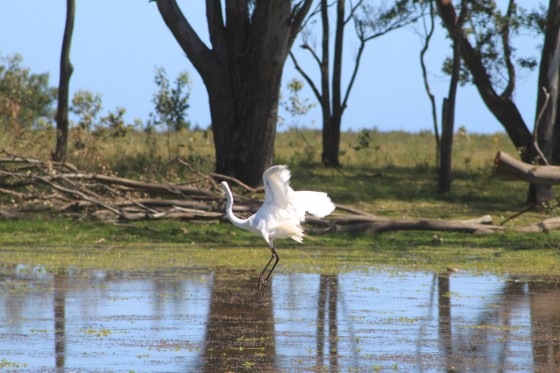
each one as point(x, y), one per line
point(316, 203)
point(277, 189)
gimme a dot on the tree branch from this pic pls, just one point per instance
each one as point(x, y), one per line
point(216, 27)
point(427, 87)
point(537, 122)
point(306, 77)
point(508, 91)
point(195, 49)
point(299, 12)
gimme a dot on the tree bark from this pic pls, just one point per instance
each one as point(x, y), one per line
point(445, 146)
point(242, 73)
point(66, 69)
point(448, 115)
point(331, 126)
point(548, 100)
point(549, 78)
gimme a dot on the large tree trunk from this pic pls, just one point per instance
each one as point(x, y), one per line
point(242, 73)
point(548, 121)
point(548, 97)
point(245, 129)
point(66, 69)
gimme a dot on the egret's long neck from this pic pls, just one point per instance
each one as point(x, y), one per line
point(241, 223)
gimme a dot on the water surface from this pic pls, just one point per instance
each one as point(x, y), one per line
point(203, 320)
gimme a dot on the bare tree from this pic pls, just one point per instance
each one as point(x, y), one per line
point(242, 71)
point(66, 70)
point(369, 23)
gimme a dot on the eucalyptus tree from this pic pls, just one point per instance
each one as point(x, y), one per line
point(492, 62)
point(242, 71)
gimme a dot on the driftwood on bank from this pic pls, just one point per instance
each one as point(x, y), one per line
point(482, 225)
point(34, 186)
point(545, 226)
point(510, 168)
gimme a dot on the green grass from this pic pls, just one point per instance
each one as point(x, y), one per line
point(59, 244)
point(392, 176)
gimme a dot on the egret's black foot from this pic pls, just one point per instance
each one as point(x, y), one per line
point(261, 286)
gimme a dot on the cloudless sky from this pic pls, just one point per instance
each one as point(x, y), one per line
point(117, 45)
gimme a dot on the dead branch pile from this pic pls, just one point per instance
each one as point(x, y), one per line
point(37, 186)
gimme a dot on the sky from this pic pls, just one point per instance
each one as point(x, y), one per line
point(117, 45)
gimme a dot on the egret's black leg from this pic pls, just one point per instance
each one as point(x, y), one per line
point(263, 281)
point(274, 265)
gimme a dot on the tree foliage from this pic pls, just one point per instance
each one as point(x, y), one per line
point(492, 32)
point(26, 100)
point(86, 105)
point(171, 101)
point(114, 120)
point(296, 105)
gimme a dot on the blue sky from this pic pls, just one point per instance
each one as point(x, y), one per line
point(117, 45)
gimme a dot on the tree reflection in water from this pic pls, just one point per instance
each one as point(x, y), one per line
point(327, 306)
point(60, 288)
point(545, 328)
point(204, 321)
point(240, 326)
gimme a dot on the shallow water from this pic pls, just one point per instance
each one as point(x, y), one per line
point(196, 321)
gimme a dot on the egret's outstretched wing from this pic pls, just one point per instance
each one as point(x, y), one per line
point(316, 203)
point(277, 189)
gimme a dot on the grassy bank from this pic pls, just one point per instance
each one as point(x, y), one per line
point(60, 244)
point(389, 174)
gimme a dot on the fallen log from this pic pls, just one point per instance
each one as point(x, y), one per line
point(424, 225)
point(510, 168)
point(542, 226)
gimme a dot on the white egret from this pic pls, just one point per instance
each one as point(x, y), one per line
point(281, 213)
